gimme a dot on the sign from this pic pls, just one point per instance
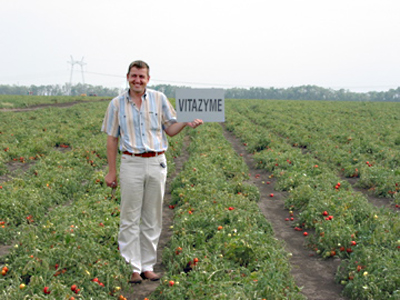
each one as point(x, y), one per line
point(205, 104)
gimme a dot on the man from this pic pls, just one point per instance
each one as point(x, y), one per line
point(140, 117)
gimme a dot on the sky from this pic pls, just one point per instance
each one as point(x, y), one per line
point(342, 44)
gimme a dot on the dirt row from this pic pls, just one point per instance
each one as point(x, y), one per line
point(44, 105)
point(314, 275)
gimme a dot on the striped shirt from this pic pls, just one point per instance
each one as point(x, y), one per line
point(140, 130)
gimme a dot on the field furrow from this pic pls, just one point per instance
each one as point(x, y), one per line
point(344, 223)
point(312, 165)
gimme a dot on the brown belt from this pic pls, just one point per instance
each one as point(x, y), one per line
point(145, 154)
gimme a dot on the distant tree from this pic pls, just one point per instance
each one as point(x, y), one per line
point(305, 92)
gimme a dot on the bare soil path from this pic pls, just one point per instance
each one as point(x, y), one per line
point(314, 275)
point(44, 105)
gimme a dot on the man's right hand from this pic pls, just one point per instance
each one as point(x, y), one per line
point(111, 180)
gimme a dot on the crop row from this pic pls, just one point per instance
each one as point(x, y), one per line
point(59, 216)
point(357, 139)
point(63, 223)
point(59, 149)
point(345, 224)
point(222, 246)
point(24, 101)
point(28, 136)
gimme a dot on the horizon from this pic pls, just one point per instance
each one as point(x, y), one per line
point(350, 45)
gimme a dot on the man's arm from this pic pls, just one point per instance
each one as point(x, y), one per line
point(175, 128)
point(112, 150)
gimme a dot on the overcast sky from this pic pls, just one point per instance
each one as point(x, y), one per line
point(350, 44)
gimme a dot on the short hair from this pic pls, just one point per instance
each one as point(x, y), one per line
point(140, 64)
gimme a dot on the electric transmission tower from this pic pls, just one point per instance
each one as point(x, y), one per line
point(73, 63)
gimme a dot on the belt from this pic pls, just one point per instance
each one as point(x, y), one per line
point(145, 154)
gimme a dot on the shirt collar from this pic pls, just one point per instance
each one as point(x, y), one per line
point(144, 96)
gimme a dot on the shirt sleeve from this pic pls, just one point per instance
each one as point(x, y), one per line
point(111, 119)
point(169, 113)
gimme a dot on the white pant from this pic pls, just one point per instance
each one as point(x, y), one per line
point(142, 192)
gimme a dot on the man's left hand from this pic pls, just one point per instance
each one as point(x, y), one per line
point(195, 123)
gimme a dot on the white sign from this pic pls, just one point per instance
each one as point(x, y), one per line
point(205, 104)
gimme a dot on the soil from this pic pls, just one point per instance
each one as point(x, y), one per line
point(314, 275)
point(44, 105)
point(4, 249)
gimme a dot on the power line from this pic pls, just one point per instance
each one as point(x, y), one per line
point(103, 74)
point(161, 80)
point(49, 74)
point(244, 86)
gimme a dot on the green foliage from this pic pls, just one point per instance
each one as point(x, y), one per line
point(56, 213)
point(24, 101)
point(305, 92)
point(55, 91)
point(218, 223)
point(308, 155)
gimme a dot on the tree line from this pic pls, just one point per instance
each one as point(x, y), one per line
point(59, 90)
point(305, 92)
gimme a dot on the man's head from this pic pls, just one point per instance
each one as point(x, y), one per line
point(138, 77)
point(139, 64)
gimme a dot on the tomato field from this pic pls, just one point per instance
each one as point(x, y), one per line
point(59, 222)
point(313, 149)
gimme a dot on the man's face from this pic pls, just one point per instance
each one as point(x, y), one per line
point(138, 80)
